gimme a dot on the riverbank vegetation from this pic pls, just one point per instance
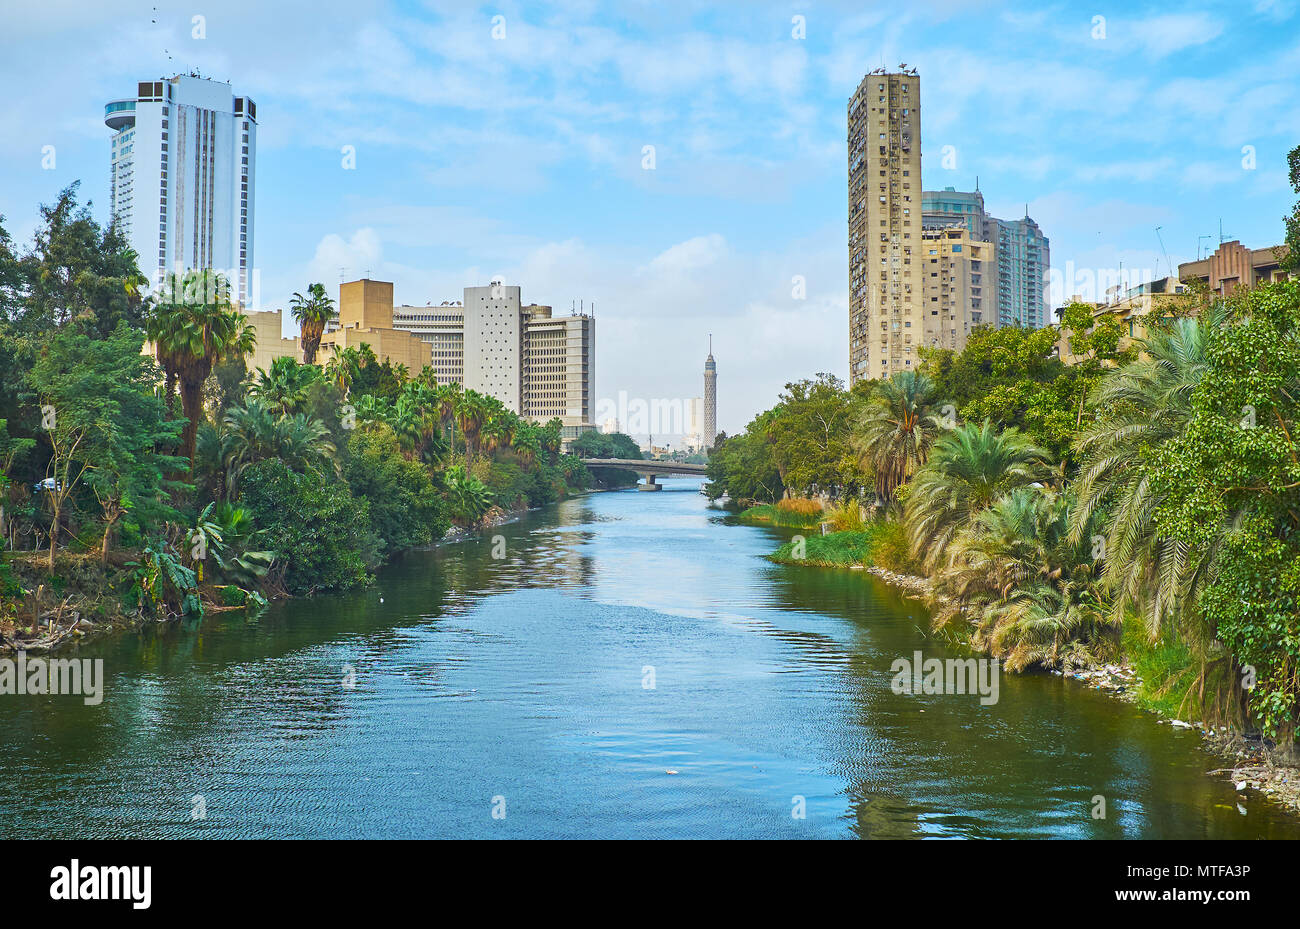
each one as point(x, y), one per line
point(1143, 502)
point(848, 548)
point(134, 438)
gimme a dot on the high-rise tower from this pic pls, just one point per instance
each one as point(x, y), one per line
point(184, 151)
point(710, 398)
point(886, 321)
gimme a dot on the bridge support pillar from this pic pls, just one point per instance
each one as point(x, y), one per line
point(649, 484)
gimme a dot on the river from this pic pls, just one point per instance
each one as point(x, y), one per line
point(617, 665)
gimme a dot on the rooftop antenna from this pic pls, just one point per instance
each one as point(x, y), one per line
point(1168, 263)
point(342, 271)
point(1198, 245)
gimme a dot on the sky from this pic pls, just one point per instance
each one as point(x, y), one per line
point(679, 166)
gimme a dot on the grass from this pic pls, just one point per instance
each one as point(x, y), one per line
point(834, 550)
point(1167, 669)
point(790, 514)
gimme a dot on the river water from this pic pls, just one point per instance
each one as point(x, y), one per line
point(628, 665)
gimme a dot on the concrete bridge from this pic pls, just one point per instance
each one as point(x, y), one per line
point(648, 469)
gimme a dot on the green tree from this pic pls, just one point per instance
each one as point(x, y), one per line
point(810, 435)
point(467, 496)
point(286, 387)
point(194, 326)
point(105, 425)
point(255, 432)
point(742, 466)
point(405, 510)
point(1291, 260)
point(78, 270)
point(1140, 407)
point(1028, 587)
point(1228, 487)
point(893, 434)
point(311, 313)
point(319, 530)
point(969, 468)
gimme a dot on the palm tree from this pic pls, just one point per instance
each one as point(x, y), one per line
point(1030, 589)
point(285, 387)
point(194, 326)
point(896, 430)
point(255, 432)
point(446, 398)
point(347, 363)
point(312, 313)
point(471, 411)
point(496, 430)
point(467, 497)
point(1141, 406)
point(340, 371)
point(969, 468)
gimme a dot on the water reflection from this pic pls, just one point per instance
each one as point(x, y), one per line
point(524, 676)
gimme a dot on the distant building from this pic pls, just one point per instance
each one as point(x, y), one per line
point(1233, 265)
point(1015, 281)
point(710, 404)
point(538, 364)
point(943, 207)
point(956, 270)
point(183, 177)
point(270, 343)
point(1024, 259)
point(884, 165)
point(694, 438)
point(365, 316)
point(1134, 308)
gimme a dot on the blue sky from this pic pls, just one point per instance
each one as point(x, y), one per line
point(522, 156)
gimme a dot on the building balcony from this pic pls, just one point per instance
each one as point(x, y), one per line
point(119, 114)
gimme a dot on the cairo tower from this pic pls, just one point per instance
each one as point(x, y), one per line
point(710, 398)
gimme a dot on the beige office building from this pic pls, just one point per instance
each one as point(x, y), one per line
point(538, 364)
point(886, 310)
point(270, 343)
point(959, 280)
point(365, 317)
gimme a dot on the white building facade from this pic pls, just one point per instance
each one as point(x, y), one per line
point(539, 365)
point(183, 178)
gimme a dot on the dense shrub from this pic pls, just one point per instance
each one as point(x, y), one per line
point(321, 533)
point(405, 510)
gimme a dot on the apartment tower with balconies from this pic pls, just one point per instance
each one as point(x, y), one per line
point(886, 321)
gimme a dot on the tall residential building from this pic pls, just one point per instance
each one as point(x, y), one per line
point(884, 162)
point(710, 433)
point(184, 153)
point(1022, 255)
point(952, 205)
point(1024, 258)
point(538, 364)
point(958, 284)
